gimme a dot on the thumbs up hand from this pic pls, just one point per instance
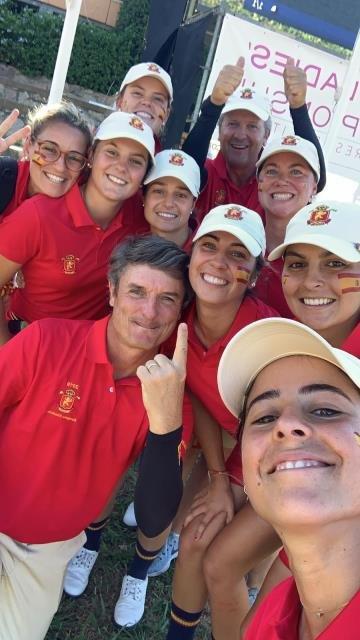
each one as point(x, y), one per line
point(227, 81)
point(295, 84)
point(162, 384)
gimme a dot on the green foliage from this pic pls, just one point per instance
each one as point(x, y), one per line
point(29, 41)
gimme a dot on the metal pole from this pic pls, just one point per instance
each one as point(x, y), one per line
point(64, 51)
point(340, 108)
point(190, 9)
point(208, 65)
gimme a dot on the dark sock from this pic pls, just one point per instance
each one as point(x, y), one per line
point(141, 561)
point(183, 624)
point(94, 533)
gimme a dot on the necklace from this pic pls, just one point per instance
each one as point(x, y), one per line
point(319, 613)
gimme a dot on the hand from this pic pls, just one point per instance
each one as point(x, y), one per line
point(216, 498)
point(162, 383)
point(295, 84)
point(227, 81)
point(5, 125)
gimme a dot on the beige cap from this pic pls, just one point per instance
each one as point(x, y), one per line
point(152, 70)
point(249, 100)
point(176, 164)
point(333, 226)
point(265, 341)
point(127, 125)
point(243, 223)
point(295, 144)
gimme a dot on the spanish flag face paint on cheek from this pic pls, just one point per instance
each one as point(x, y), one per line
point(242, 275)
point(38, 159)
point(349, 282)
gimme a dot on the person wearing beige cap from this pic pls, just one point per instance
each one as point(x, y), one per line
point(62, 245)
point(298, 401)
point(147, 91)
point(170, 192)
point(288, 172)
point(227, 255)
point(244, 115)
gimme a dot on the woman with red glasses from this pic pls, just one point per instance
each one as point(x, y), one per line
point(55, 153)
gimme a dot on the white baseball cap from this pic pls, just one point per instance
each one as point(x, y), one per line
point(243, 223)
point(249, 100)
point(152, 70)
point(333, 226)
point(295, 144)
point(127, 125)
point(176, 164)
point(265, 341)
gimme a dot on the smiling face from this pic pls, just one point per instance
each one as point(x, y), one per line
point(300, 456)
point(54, 179)
point(316, 290)
point(146, 307)
point(168, 204)
point(148, 99)
point(242, 135)
point(118, 169)
point(286, 184)
point(221, 269)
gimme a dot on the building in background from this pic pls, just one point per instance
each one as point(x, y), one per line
point(101, 11)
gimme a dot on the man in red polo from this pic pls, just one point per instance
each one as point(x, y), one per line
point(244, 117)
point(298, 399)
point(78, 400)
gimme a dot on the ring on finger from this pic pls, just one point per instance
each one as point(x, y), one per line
point(152, 364)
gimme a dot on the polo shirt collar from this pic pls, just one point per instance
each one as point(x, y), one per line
point(220, 165)
point(80, 215)
point(287, 623)
point(96, 343)
point(352, 342)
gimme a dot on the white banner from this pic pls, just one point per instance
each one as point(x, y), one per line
point(266, 53)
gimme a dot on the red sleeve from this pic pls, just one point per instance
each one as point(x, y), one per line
point(18, 359)
point(20, 234)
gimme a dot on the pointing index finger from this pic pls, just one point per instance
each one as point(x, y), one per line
point(180, 351)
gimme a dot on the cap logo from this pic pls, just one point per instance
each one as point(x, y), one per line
point(320, 215)
point(137, 123)
point(290, 140)
point(153, 67)
point(177, 159)
point(247, 94)
point(357, 246)
point(234, 213)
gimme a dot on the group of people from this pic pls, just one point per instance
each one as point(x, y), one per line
point(150, 303)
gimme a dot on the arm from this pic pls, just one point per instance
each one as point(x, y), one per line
point(198, 140)
point(162, 384)
point(295, 84)
point(18, 362)
point(8, 268)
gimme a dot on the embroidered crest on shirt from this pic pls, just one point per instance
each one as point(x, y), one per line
point(247, 94)
point(69, 264)
point(153, 67)
point(220, 196)
point(177, 159)
point(67, 400)
point(137, 123)
point(234, 213)
point(320, 215)
point(289, 140)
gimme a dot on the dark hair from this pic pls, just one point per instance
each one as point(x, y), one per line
point(63, 111)
point(152, 251)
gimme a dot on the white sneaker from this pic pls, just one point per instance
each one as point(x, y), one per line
point(168, 553)
point(78, 572)
point(130, 606)
point(129, 516)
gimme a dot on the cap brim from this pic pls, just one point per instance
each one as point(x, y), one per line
point(125, 135)
point(264, 156)
point(335, 245)
point(247, 240)
point(146, 75)
point(173, 174)
point(266, 341)
point(244, 106)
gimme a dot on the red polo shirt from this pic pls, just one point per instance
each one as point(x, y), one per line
point(202, 363)
point(269, 287)
point(68, 430)
point(278, 617)
point(352, 342)
point(64, 255)
point(220, 190)
point(21, 188)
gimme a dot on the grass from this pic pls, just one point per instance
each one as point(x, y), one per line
point(90, 617)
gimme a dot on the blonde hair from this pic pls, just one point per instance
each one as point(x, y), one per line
point(39, 117)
